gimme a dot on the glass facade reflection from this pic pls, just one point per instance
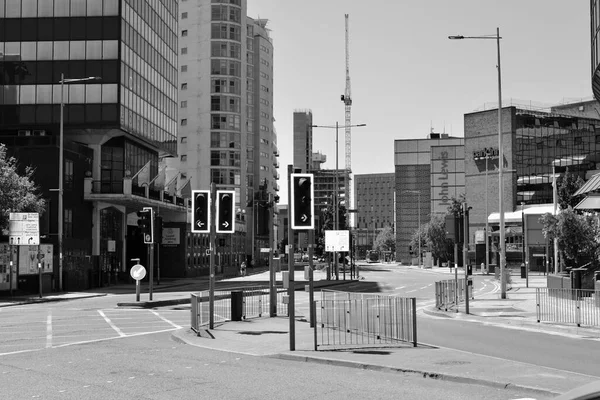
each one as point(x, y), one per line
point(131, 48)
point(543, 140)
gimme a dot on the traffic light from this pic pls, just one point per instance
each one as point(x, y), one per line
point(225, 211)
point(201, 211)
point(302, 201)
point(146, 224)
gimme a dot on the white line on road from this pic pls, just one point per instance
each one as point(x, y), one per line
point(399, 287)
point(166, 320)
point(49, 330)
point(425, 287)
point(109, 322)
point(410, 291)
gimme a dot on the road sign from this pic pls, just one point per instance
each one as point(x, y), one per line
point(138, 272)
point(24, 229)
point(337, 240)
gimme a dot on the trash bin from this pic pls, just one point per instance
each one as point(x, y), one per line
point(237, 305)
point(523, 271)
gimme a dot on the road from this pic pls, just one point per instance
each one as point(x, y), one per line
point(155, 367)
point(543, 349)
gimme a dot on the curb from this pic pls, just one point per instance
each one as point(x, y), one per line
point(424, 374)
point(156, 303)
point(50, 300)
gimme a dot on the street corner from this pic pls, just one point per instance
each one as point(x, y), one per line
point(190, 337)
point(154, 303)
point(433, 311)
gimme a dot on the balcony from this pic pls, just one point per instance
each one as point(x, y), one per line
point(124, 192)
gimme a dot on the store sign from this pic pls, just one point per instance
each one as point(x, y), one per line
point(486, 153)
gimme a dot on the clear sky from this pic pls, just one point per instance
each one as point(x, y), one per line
point(407, 76)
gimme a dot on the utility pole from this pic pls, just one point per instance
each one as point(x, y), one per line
point(291, 284)
point(213, 237)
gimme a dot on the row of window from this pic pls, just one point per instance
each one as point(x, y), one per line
point(225, 140)
point(57, 8)
point(226, 13)
point(226, 49)
point(49, 72)
point(51, 94)
point(228, 122)
point(225, 176)
point(59, 29)
point(225, 158)
point(226, 67)
point(264, 48)
point(167, 84)
point(135, 84)
point(136, 50)
point(63, 50)
point(229, 85)
point(152, 20)
point(226, 31)
point(225, 103)
point(138, 125)
point(44, 114)
point(236, 2)
point(150, 111)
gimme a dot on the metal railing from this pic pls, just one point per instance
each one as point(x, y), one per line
point(354, 319)
point(569, 306)
point(447, 293)
point(255, 303)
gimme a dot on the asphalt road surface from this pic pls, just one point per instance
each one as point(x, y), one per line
point(155, 367)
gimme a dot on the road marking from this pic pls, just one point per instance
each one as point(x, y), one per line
point(109, 322)
point(49, 330)
point(166, 320)
point(425, 287)
point(399, 287)
point(410, 291)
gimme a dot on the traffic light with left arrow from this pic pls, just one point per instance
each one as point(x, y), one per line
point(201, 211)
point(225, 211)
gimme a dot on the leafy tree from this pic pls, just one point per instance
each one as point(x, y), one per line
point(385, 240)
point(440, 246)
point(567, 186)
point(455, 207)
point(420, 235)
point(18, 192)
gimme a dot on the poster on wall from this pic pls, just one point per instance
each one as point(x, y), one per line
point(5, 273)
point(28, 259)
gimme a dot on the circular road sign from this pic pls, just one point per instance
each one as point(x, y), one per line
point(138, 272)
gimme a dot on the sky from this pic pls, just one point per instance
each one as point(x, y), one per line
point(407, 76)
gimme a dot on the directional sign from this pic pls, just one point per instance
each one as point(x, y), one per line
point(138, 272)
point(24, 229)
point(337, 241)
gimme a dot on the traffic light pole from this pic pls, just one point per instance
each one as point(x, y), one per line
point(213, 236)
point(291, 285)
point(151, 269)
point(272, 287)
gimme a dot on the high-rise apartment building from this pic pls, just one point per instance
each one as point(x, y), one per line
point(303, 145)
point(226, 132)
point(117, 126)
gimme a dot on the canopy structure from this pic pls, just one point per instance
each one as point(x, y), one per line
point(516, 216)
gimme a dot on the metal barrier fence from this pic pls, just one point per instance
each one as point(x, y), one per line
point(570, 306)
point(354, 319)
point(255, 302)
point(447, 293)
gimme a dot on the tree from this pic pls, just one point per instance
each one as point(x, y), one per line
point(18, 192)
point(385, 240)
point(419, 235)
point(455, 207)
point(440, 246)
point(566, 187)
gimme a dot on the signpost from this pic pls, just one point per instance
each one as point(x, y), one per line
point(24, 230)
point(138, 272)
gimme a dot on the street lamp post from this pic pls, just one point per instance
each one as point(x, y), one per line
point(62, 82)
point(500, 161)
point(418, 193)
point(336, 189)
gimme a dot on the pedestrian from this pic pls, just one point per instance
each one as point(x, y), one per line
point(243, 269)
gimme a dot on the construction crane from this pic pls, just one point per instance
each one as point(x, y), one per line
point(347, 99)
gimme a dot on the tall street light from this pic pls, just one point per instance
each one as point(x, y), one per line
point(62, 82)
point(337, 187)
point(500, 161)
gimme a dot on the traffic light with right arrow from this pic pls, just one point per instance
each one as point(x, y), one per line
point(201, 211)
point(302, 201)
point(225, 211)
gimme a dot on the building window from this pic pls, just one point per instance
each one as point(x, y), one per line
point(184, 139)
point(184, 122)
point(184, 15)
point(68, 178)
point(184, 86)
point(183, 176)
point(183, 158)
point(184, 33)
point(68, 222)
point(184, 68)
point(184, 50)
point(184, 104)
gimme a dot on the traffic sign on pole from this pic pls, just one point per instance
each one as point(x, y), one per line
point(24, 229)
